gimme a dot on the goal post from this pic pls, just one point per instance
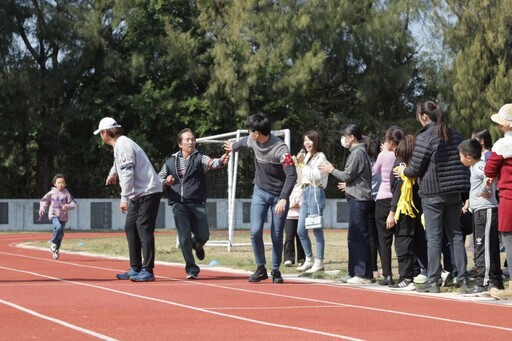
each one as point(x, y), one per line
point(232, 172)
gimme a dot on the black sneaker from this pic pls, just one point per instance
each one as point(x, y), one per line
point(259, 275)
point(387, 280)
point(477, 291)
point(276, 276)
point(432, 288)
point(199, 250)
point(404, 284)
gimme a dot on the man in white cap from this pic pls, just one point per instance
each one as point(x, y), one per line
point(140, 198)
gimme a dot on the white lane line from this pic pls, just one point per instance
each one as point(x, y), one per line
point(54, 320)
point(311, 331)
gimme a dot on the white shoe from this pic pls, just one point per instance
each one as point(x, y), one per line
point(55, 254)
point(308, 264)
point(317, 266)
point(344, 279)
point(359, 280)
point(420, 279)
point(288, 263)
point(53, 247)
point(446, 276)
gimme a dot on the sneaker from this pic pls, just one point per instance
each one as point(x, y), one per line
point(143, 276)
point(53, 247)
point(191, 276)
point(199, 250)
point(276, 276)
point(387, 280)
point(359, 280)
point(432, 288)
point(259, 275)
point(55, 254)
point(420, 279)
point(288, 263)
point(403, 284)
point(446, 277)
point(126, 275)
point(476, 291)
point(344, 279)
point(462, 284)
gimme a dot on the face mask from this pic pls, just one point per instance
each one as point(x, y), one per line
point(344, 142)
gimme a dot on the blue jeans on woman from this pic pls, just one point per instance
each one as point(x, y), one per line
point(309, 206)
point(261, 202)
point(58, 231)
point(359, 257)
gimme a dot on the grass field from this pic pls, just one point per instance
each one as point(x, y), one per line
point(240, 257)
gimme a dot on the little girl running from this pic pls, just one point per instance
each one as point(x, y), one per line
point(59, 201)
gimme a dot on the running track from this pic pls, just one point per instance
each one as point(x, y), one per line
point(78, 298)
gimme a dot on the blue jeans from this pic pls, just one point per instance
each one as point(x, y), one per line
point(58, 231)
point(261, 202)
point(309, 206)
point(358, 240)
point(442, 214)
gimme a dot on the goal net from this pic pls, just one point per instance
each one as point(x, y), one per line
point(222, 183)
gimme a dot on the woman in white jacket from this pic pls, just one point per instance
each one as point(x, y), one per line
point(313, 192)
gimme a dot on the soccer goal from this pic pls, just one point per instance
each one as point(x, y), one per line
point(222, 185)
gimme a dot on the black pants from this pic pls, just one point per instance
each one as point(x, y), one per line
point(404, 245)
point(140, 231)
point(382, 208)
point(292, 242)
point(374, 237)
point(487, 249)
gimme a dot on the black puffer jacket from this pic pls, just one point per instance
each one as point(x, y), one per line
point(437, 164)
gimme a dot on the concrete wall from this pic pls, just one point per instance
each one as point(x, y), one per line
point(97, 214)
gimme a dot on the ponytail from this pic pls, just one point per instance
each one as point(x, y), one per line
point(434, 112)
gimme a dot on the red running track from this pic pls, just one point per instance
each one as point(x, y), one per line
point(78, 298)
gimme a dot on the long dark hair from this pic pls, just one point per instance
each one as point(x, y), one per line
point(484, 135)
point(405, 148)
point(315, 137)
point(434, 112)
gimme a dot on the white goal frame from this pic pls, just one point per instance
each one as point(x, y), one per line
point(232, 179)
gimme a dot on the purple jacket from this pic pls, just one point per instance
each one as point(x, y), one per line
point(55, 199)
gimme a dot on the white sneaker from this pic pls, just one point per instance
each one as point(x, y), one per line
point(288, 263)
point(308, 264)
point(53, 247)
point(55, 254)
point(420, 279)
point(359, 280)
point(318, 266)
point(344, 279)
point(446, 276)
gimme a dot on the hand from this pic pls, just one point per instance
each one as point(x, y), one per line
point(280, 207)
point(170, 180)
point(225, 158)
point(342, 186)
point(485, 193)
point(41, 214)
point(124, 207)
point(65, 207)
point(326, 167)
point(228, 146)
point(465, 207)
point(489, 181)
point(390, 221)
point(111, 180)
point(301, 156)
point(398, 170)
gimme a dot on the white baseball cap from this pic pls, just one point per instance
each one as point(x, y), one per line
point(106, 123)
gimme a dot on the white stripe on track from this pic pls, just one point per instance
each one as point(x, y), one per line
point(62, 323)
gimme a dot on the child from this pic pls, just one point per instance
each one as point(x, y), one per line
point(499, 166)
point(483, 205)
point(60, 201)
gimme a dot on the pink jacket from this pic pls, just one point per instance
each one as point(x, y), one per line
point(55, 199)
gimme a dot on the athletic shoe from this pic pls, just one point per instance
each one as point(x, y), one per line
point(199, 250)
point(288, 263)
point(126, 275)
point(403, 284)
point(387, 280)
point(359, 280)
point(476, 291)
point(461, 284)
point(53, 247)
point(432, 288)
point(276, 276)
point(446, 276)
point(344, 279)
point(143, 276)
point(191, 276)
point(420, 279)
point(55, 254)
point(259, 275)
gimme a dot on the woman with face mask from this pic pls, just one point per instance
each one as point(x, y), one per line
point(358, 178)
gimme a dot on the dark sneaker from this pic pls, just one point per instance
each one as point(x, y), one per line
point(199, 250)
point(404, 284)
point(387, 280)
point(143, 276)
point(276, 276)
point(259, 275)
point(126, 275)
point(191, 276)
point(432, 288)
point(477, 291)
